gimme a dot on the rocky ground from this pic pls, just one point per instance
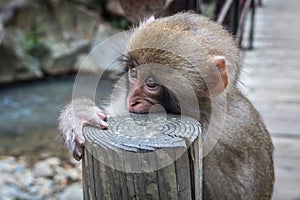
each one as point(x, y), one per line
point(46, 38)
point(48, 178)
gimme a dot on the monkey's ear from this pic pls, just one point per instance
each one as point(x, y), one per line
point(222, 83)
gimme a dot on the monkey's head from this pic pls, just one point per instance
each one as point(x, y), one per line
point(182, 56)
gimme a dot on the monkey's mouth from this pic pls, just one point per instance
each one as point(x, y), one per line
point(140, 106)
point(139, 111)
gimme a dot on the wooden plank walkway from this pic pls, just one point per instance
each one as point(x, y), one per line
point(272, 78)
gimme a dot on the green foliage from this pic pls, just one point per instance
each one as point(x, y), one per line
point(209, 1)
point(120, 23)
point(209, 9)
point(34, 44)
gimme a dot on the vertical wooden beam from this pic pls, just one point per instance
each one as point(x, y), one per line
point(251, 34)
point(235, 16)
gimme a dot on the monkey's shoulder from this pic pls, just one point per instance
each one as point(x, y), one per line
point(243, 120)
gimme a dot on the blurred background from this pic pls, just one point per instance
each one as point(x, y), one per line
point(43, 43)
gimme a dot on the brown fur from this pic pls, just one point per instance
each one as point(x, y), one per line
point(192, 31)
point(240, 165)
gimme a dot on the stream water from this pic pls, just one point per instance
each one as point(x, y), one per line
point(29, 113)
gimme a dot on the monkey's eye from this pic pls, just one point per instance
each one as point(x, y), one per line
point(150, 83)
point(133, 72)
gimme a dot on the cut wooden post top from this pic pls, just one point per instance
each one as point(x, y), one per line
point(144, 132)
point(143, 156)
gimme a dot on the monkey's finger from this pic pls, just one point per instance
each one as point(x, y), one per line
point(79, 140)
point(97, 122)
point(103, 124)
point(100, 119)
point(102, 116)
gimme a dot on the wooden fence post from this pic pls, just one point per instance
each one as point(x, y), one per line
point(143, 156)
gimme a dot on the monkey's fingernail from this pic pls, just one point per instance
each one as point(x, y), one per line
point(102, 116)
point(103, 124)
point(78, 153)
point(76, 156)
point(103, 127)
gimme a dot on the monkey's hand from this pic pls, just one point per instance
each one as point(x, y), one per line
point(77, 114)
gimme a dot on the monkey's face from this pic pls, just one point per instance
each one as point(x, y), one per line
point(144, 90)
point(160, 77)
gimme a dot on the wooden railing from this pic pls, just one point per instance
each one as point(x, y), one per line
point(232, 15)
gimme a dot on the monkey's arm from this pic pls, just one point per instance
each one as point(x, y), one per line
point(78, 113)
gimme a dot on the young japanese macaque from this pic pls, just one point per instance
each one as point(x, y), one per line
point(190, 65)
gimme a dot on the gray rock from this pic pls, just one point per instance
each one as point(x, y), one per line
point(73, 174)
point(12, 192)
point(15, 63)
point(10, 179)
point(60, 181)
point(6, 163)
point(103, 32)
point(59, 170)
point(47, 179)
point(2, 33)
point(51, 47)
point(53, 161)
point(45, 187)
point(42, 169)
point(73, 192)
point(70, 35)
point(104, 50)
point(63, 55)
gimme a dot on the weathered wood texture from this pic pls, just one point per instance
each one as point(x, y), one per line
point(152, 156)
point(272, 76)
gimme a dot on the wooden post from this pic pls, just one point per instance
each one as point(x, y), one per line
point(143, 156)
point(252, 26)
